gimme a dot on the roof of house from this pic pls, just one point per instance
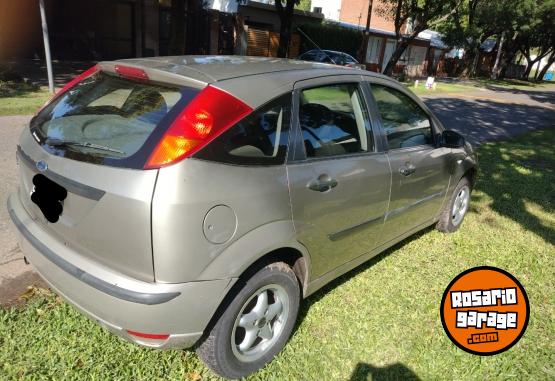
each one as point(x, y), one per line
point(435, 38)
point(489, 45)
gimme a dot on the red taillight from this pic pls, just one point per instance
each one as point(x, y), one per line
point(152, 336)
point(130, 72)
point(209, 114)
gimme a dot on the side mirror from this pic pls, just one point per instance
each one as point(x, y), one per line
point(451, 139)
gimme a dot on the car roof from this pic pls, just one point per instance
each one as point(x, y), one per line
point(254, 80)
point(212, 69)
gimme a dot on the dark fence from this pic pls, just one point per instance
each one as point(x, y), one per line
point(332, 37)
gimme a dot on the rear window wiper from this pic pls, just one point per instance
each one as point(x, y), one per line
point(60, 143)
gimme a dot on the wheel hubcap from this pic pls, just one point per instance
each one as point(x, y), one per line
point(460, 205)
point(260, 323)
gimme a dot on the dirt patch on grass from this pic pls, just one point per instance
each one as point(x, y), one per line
point(13, 290)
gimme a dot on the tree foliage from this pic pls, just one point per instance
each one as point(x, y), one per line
point(420, 15)
point(304, 5)
point(527, 26)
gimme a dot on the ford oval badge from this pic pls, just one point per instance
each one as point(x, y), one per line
point(41, 165)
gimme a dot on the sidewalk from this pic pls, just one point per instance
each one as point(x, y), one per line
point(15, 275)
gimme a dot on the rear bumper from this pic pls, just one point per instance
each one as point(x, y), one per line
point(116, 301)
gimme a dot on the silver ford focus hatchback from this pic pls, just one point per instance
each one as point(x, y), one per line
point(194, 201)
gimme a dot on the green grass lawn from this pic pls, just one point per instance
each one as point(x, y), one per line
point(477, 84)
point(24, 103)
point(514, 84)
point(380, 321)
point(17, 96)
point(441, 87)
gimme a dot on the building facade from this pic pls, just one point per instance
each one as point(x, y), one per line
point(422, 57)
point(112, 29)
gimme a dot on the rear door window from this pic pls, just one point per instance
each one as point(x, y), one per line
point(105, 117)
point(259, 139)
point(334, 121)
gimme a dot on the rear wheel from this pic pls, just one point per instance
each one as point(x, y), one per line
point(455, 210)
point(255, 325)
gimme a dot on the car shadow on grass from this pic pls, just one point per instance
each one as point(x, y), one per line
point(395, 371)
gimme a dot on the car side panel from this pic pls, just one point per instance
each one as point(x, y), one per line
point(418, 197)
point(183, 214)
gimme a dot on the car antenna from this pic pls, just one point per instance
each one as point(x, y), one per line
point(315, 44)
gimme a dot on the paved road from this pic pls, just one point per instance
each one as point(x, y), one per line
point(493, 115)
point(480, 115)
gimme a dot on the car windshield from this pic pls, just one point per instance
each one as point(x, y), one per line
point(105, 116)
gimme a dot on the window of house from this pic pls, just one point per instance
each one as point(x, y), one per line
point(405, 123)
point(334, 121)
point(374, 49)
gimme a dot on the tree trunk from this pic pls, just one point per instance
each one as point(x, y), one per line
point(177, 28)
point(506, 62)
point(544, 70)
point(472, 56)
point(284, 37)
point(474, 65)
point(468, 60)
point(537, 69)
point(495, 70)
point(240, 42)
point(285, 20)
point(399, 50)
point(529, 64)
point(365, 36)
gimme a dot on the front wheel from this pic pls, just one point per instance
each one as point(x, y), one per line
point(255, 325)
point(454, 211)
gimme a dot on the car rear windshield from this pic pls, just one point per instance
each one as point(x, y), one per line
point(107, 119)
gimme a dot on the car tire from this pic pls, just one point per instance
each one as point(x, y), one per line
point(265, 307)
point(453, 213)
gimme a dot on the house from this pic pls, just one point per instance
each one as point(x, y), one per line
point(111, 29)
point(423, 56)
point(262, 25)
point(80, 29)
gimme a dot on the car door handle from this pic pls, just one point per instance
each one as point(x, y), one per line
point(407, 169)
point(322, 184)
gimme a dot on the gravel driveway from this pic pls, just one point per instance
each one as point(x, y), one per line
point(481, 116)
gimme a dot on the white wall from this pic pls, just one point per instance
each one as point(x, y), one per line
point(330, 8)
point(222, 5)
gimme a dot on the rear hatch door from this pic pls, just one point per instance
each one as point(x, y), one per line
point(81, 166)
